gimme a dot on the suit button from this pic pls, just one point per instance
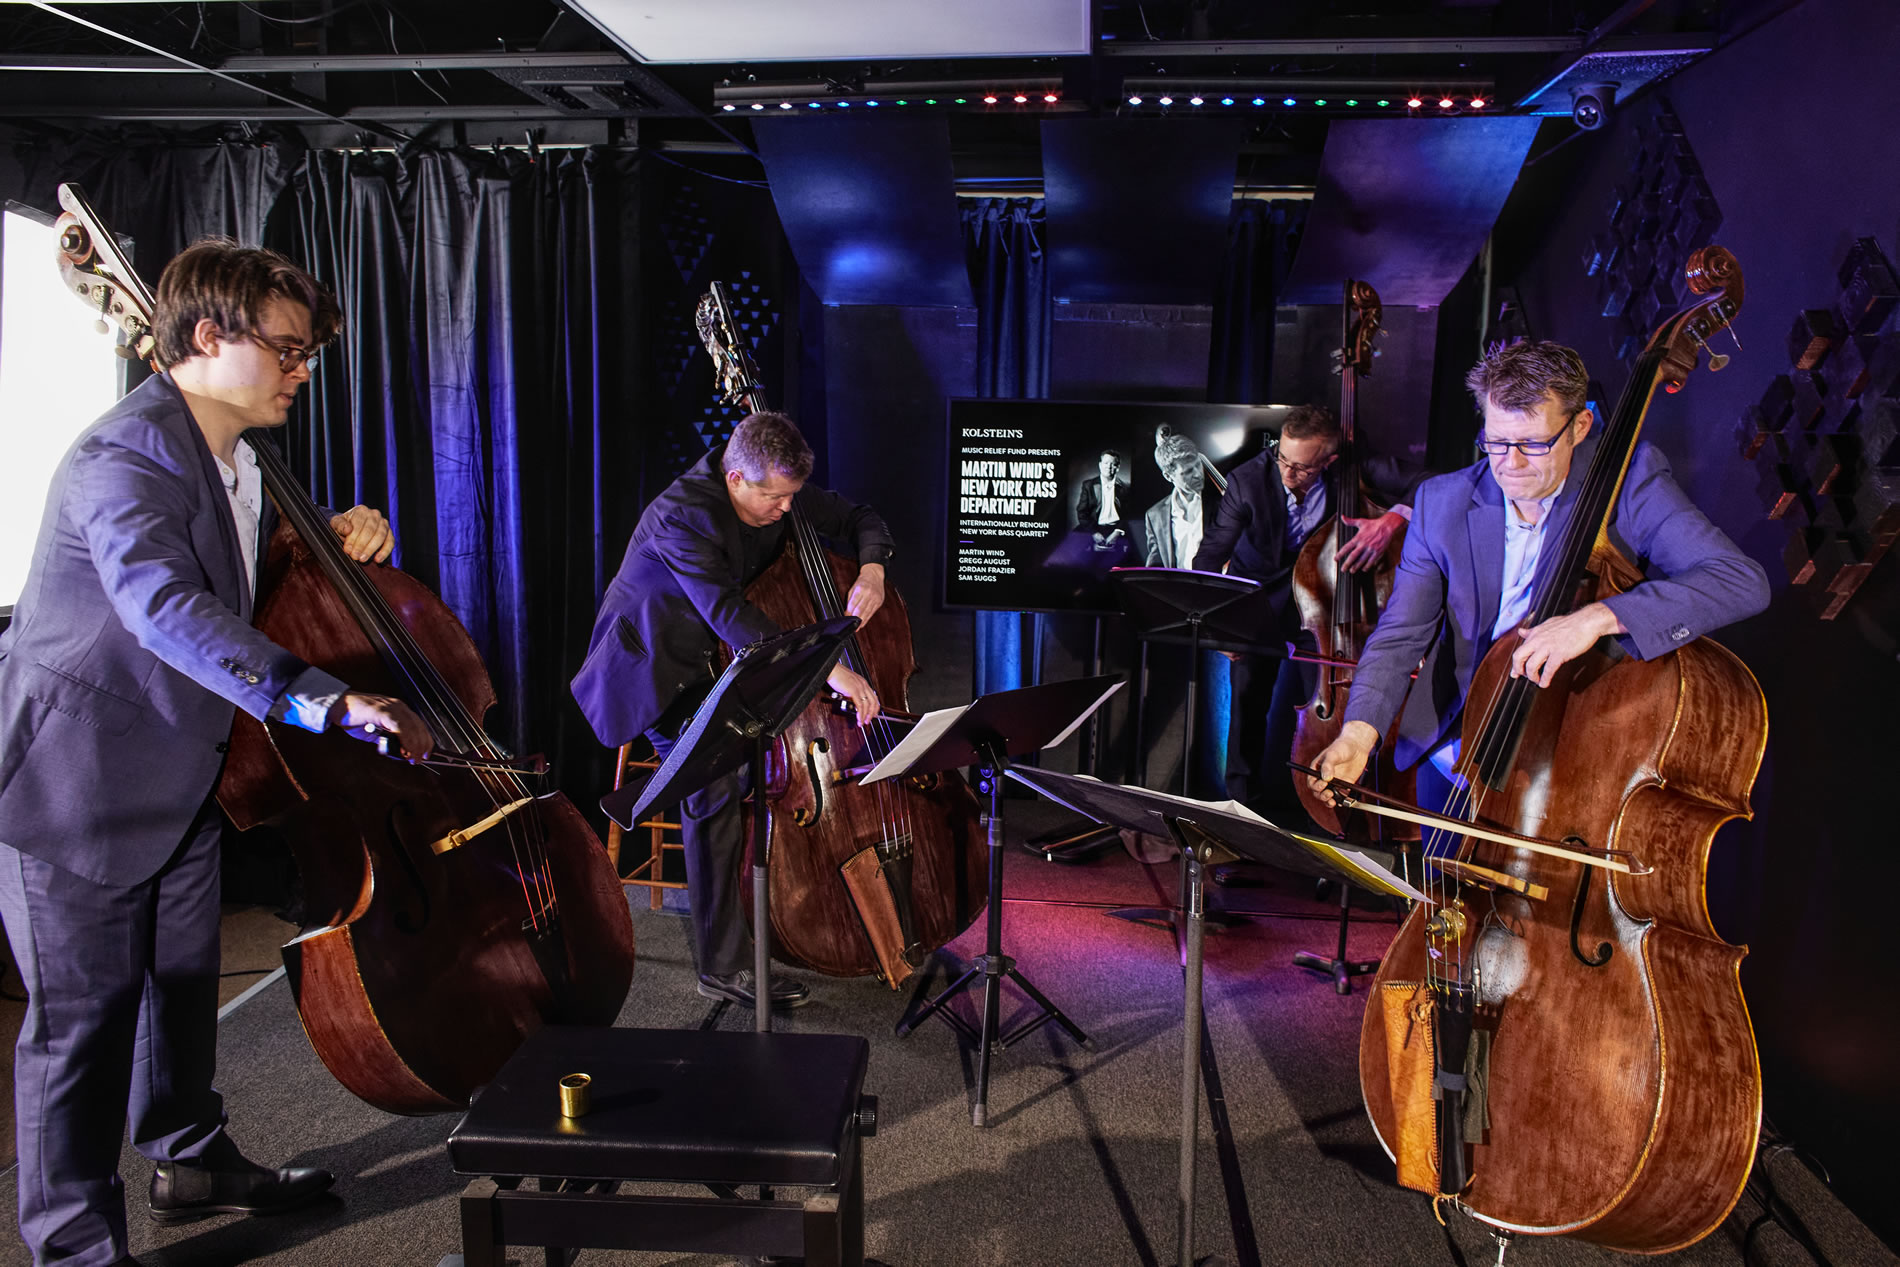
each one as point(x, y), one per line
point(225, 663)
point(251, 678)
point(223, 746)
point(1679, 633)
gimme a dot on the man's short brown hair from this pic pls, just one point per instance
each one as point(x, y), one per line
point(764, 444)
point(228, 284)
point(1307, 421)
point(1520, 375)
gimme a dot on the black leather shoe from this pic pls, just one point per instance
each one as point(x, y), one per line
point(182, 1192)
point(736, 987)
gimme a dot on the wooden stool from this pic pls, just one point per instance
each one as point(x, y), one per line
point(651, 871)
point(677, 1107)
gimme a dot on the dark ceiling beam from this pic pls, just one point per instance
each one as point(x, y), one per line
point(1356, 46)
point(372, 118)
point(295, 99)
point(283, 65)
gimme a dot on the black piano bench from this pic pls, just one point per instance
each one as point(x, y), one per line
point(682, 1107)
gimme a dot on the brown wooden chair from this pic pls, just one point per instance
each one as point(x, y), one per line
point(650, 872)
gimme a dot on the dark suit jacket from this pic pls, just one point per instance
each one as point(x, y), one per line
point(130, 648)
point(1251, 529)
point(1158, 525)
point(1088, 502)
point(680, 592)
point(1453, 565)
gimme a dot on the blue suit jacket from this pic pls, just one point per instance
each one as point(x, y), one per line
point(130, 648)
point(1453, 566)
point(680, 592)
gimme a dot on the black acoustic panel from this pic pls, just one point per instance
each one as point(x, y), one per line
point(869, 208)
point(1405, 204)
point(1138, 208)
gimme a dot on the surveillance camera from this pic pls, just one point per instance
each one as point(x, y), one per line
point(1590, 105)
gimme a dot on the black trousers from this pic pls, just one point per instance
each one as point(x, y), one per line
point(1267, 694)
point(712, 829)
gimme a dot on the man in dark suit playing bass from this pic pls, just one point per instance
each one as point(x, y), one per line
point(679, 593)
point(1274, 502)
point(129, 651)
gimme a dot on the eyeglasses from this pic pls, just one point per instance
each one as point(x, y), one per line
point(289, 356)
point(1529, 448)
point(1299, 468)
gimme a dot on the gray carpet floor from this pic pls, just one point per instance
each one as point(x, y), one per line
point(1079, 1165)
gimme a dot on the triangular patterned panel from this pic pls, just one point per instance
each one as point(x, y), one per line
point(687, 232)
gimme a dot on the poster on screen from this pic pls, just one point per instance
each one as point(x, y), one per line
point(1046, 497)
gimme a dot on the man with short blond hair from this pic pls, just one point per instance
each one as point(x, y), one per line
point(1471, 562)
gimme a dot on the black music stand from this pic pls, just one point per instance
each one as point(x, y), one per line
point(761, 693)
point(1206, 610)
point(987, 733)
point(1199, 827)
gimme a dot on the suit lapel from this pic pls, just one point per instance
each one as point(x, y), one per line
point(1484, 526)
point(227, 581)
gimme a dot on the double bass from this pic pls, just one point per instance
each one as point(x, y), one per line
point(1337, 606)
point(452, 907)
point(864, 880)
point(1558, 1041)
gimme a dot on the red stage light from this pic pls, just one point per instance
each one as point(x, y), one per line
point(1049, 97)
point(1413, 103)
point(1021, 100)
point(990, 100)
point(1477, 103)
point(1446, 103)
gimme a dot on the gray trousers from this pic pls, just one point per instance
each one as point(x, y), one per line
point(121, 1031)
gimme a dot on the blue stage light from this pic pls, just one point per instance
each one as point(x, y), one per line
point(1227, 101)
point(1285, 101)
point(1260, 101)
point(1196, 101)
point(1167, 101)
point(1134, 101)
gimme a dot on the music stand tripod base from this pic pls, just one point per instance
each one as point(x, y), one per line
point(987, 733)
point(1341, 969)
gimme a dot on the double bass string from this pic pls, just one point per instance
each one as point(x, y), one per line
point(879, 736)
point(1512, 698)
point(443, 711)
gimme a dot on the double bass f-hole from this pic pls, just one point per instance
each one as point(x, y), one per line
point(806, 817)
point(1585, 878)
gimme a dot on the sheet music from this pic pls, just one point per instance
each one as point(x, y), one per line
point(927, 731)
point(931, 726)
point(1084, 716)
point(1366, 870)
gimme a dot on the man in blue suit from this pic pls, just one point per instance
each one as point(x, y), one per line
point(1471, 558)
point(679, 593)
point(130, 649)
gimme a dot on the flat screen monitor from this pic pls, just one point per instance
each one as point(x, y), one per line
point(57, 374)
point(1027, 526)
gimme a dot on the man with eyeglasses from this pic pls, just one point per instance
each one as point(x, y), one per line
point(130, 649)
point(1472, 554)
point(1274, 502)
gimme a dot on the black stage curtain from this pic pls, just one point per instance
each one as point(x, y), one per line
point(1261, 240)
point(481, 397)
point(1003, 239)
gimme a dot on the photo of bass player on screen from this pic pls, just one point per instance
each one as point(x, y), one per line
point(1103, 533)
